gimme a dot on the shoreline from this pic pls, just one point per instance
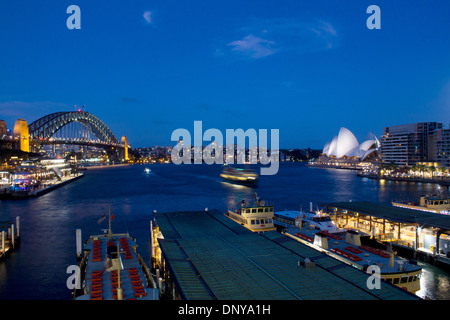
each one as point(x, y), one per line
point(440, 181)
point(325, 166)
point(443, 182)
point(103, 166)
point(26, 194)
point(37, 193)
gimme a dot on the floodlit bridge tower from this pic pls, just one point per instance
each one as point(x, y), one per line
point(21, 134)
point(125, 148)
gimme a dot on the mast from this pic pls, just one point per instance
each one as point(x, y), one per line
point(109, 219)
point(119, 289)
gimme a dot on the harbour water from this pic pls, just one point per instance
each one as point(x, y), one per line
point(37, 270)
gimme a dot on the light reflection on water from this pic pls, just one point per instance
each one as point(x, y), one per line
point(434, 283)
point(37, 270)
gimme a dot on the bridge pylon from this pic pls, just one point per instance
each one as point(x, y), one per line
point(21, 132)
point(125, 152)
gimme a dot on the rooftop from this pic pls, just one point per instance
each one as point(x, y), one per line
point(211, 257)
point(396, 214)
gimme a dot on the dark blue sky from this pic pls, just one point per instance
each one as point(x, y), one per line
point(307, 68)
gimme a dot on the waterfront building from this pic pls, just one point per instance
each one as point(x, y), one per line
point(408, 144)
point(440, 147)
point(344, 151)
point(345, 145)
point(3, 128)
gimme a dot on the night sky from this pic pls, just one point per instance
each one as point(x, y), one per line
point(306, 68)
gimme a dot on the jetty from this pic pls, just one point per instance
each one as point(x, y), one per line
point(203, 255)
point(9, 237)
point(443, 181)
point(43, 188)
point(414, 233)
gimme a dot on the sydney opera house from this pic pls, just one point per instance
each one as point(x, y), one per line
point(345, 150)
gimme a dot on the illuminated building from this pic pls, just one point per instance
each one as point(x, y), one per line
point(440, 147)
point(408, 144)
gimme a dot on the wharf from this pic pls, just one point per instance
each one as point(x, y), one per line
point(48, 188)
point(203, 255)
point(437, 180)
point(9, 237)
point(413, 232)
point(44, 189)
point(333, 166)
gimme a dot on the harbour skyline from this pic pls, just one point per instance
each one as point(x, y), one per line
point(305, 68)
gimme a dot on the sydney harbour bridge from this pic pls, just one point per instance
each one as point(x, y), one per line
point(70, 127)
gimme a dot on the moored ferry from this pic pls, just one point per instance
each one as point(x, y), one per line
point(434, 203)
point(239, 175)
point(257, 216)
point(316, 220)
point(111, 269)
point(345, 245)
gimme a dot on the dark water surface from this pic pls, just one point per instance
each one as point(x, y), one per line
point(37, 269)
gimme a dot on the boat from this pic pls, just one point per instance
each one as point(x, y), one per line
point(433, 203)
point(345, 245)
point(239, 175)
point(257, 216)
point(147, 170)
point(316, 220)
point(111, 269)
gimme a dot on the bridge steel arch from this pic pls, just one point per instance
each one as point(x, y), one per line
point(45, 127)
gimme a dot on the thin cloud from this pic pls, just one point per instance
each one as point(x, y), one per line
point(268, 37)
point(252, 46)
point(147, 16)
point(130, 100)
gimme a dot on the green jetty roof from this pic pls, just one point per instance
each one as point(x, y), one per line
point(212, 257)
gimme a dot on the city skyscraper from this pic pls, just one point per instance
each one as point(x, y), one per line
point(440, 147)
point(408, 144)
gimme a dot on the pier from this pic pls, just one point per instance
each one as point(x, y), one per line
point(46, 187)
point(9, 237)
point(445, 182)
point(203, 255)
point(414, 233)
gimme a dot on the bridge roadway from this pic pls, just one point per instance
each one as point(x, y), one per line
point(45, 130)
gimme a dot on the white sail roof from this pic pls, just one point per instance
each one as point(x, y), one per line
point(346, 144)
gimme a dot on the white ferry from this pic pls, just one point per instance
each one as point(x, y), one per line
point(345, 245)
point(316, 220)
point(239, 175)
point(257, 216)
point(111, 269)
point(434, 203)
